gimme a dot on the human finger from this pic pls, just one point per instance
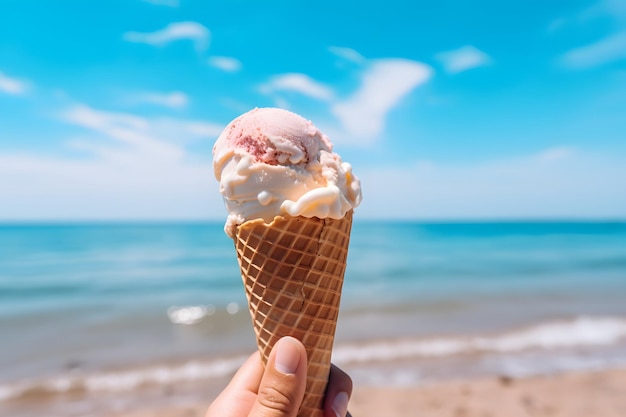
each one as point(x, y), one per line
point(237, 399)
point(284, 381)
point(338, 393)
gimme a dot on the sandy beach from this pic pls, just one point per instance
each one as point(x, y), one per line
point(583, 394)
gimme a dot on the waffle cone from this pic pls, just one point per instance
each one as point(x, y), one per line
point(292, 270)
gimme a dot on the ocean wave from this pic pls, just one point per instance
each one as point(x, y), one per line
point(121, 380)
point(580, 332)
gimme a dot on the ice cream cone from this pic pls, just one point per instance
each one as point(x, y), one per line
point(293, 271)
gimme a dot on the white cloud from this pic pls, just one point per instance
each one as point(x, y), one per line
point(609, 49)
point(46, 188)
point(174, 100)
point(204, 129)
point(11, 85)
point(383, 85)
point(157, 139)
point(615, 9)
point(170, 3)
point(555, 154)
point(362, 113)
point(134, 167)
point(192, 31)
point(300, 83)
point(225, 63)
point(554, 183)
point(463, 59)
point(132, 131)
point(348, 54)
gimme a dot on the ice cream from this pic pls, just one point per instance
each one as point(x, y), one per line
point(290, 201)
point(272, 162)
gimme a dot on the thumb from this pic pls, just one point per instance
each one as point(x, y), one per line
point(284, 381)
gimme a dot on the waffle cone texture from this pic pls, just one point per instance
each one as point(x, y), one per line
point(292, 270)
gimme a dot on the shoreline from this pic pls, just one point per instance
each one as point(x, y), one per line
point(410, 373)
point(388, 388)
point(571, 394)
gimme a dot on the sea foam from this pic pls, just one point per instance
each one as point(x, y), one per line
point(125, 380)
point(582, 332)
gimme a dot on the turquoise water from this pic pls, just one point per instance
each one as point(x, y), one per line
point(85, 299)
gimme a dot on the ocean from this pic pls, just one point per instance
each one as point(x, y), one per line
point(95, 318)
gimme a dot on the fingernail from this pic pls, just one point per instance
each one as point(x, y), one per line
point(340, 404)
point(287, 356)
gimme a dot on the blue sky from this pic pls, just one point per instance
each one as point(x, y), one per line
point(446, 110)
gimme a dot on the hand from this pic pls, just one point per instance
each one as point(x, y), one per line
point(277, 390)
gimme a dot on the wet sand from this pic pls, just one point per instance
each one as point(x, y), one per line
point(583, 394)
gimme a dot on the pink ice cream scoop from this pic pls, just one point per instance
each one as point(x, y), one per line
point(276, 137)
point(272, 162)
